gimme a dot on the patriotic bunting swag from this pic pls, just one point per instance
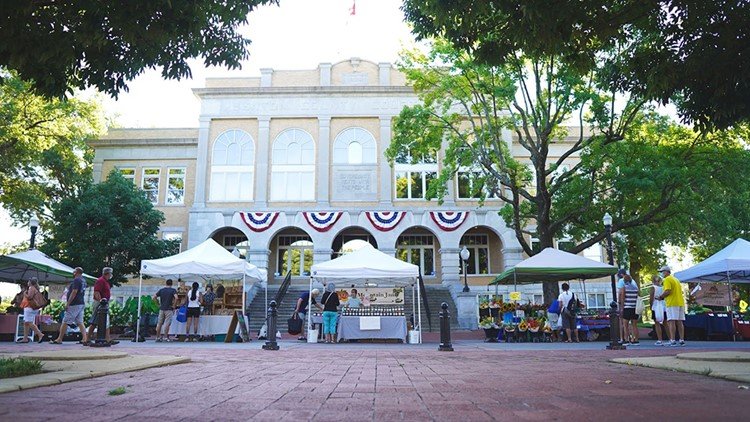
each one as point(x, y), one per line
point(322, 221)
point(449, 220)
point(259, 221)
point(385, 220)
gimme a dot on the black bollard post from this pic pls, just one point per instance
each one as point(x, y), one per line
point(445, 329)
point(614, 329)
point(271, 333)
point(102, 311)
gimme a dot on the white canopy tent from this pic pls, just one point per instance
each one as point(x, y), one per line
point(363, 265)
point(204, 261)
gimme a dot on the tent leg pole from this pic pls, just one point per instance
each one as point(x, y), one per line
point(419, 311)
point(138, 320)
point(309, 308)
point(729, 308)
point(244, 305)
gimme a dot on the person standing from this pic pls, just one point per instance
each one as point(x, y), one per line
point(301, 308)
point(330, 301)
point(31, 294)
point(194, 299)
point(102, 291)
point(74, 307)
point(208, 300)
point(621, 284)
point(627, 299)
point(675, 304)
point(658, 309)
point(568, 310)
point(167, 297)
point(353, 301)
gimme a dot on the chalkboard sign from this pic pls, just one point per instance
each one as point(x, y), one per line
point(237, 317)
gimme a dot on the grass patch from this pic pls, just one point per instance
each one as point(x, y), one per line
point(19, 367)
point(117, 391)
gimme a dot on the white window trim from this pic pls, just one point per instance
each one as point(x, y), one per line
point(475, 256)
point(472, 170)
point(278, 169)
point(344, 139)
point(302, 249)
point(120, 169)
point(150, 176)
point(166, 233)
point(182, 176)
point(221, 169)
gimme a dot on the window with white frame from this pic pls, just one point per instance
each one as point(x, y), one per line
point(150, 184)
point(536, 245)
point(232, 167)
point(127, 173)
point(355, 145)
point(479, 254)
point(596, 301)
point(471, 184)
point(594, 252)
point(418, 250)
point(175, 236)
point(295, 254)
point(176, 185)
point(413, 175)
point(293, 166)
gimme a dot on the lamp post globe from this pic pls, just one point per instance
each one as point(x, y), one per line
point(465, 259)
point(33, 225)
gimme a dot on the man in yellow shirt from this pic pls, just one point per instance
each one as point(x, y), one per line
point(675, 304)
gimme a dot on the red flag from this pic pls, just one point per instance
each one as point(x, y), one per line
point(353, 10)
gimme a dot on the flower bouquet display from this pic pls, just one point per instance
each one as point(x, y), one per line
point(490, 327)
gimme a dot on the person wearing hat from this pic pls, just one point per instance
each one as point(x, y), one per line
point(301, 308)
point(675, 304)
point(102, 291)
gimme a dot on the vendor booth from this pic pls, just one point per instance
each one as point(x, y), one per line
point(204, 262)
point(730, 265)
point(381, 280)
point(548, 266)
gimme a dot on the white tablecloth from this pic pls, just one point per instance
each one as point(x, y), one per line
point(208, 325)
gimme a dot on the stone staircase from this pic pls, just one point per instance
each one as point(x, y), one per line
point(435, 296)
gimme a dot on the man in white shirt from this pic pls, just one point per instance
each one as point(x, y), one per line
point(567, 317)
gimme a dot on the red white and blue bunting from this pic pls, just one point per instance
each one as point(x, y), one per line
point(259, 221)
point(322, 221)
point(385, 220)
point(449, 220)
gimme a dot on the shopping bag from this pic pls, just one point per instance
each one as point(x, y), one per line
point(639, 306)
point(295, 324)
point(182, 314)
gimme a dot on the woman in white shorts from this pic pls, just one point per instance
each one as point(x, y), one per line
point(30, 314)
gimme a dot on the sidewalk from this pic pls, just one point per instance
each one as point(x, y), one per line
point(479, 381)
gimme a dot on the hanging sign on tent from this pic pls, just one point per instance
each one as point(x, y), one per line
point(374, 295)
point(743, 306)
point(515, 296)
point(713, 294)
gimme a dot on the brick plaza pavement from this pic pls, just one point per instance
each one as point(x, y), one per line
point(376, 382)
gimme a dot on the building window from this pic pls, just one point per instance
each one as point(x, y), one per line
point(596, 301)
point(355, 146)
point(229, 241)
point(418, 250)
point(150, 184)
point(593, 252)
point(479, 254)
point(295, 254)
point(176, 186)
point(413, 175)
point(173, 236)
point(536, 245)
point(471, 184)
point(127, 173)
point(232, 165)
point(293, 167)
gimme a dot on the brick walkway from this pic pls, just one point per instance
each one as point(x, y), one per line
point(384, 383)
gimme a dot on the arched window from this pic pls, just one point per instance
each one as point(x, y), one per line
point(232, 165)
point(355, 146)
point(293, 166)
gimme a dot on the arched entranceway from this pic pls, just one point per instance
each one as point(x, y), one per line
point(420, 246)
point(291, 251)
point(232, 239)
point(349, 239)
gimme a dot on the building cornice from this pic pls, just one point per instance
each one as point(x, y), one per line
point(151, 142)
point(301, 90)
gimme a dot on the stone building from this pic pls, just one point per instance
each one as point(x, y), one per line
point(288, 168)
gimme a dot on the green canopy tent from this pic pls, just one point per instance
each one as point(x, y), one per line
point(33, 263)
point(553, 265)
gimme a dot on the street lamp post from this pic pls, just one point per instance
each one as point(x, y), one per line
point(614, 323)
point(465, 259)
point(33, 225)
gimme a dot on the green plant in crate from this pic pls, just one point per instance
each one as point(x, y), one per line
point(148, 306)
point(55, 309)
point(87, 311)
point(118, 315)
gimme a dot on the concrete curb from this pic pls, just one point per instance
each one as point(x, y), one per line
point(727, 370)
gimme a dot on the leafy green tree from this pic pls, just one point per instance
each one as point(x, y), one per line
point(68, 44)
point(692, 52)
point(110, 224)
point(618, 156)
point(43, 154)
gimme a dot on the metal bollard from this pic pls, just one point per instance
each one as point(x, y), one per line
point(102, 311)
point(271, 332)
point(614, 329)
point(445, 329)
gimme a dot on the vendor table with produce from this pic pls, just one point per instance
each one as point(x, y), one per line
point(712, 323)
point(361, 324)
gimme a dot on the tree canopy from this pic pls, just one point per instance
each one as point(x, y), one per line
point(43, 154)
point(110, 224)
point(68, 44)
point(581, 149)
point(693, 53)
